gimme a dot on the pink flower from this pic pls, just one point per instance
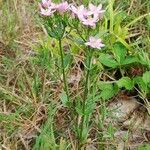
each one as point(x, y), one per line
point(78, 11)
point(96, 10)
point(62, 7)
point(82, 13)
point(46, 3)
point(90, 21)
point(47, 12)
point(88, 16)
point(95, 43)
point(47, 7)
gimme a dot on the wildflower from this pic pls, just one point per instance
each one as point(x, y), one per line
point(62, 7)
point(95, 43)
point(78, 11)
point(46, 3)
point(90, 21)
point(88, 16)
point(46, 11)
point(82, 13)
point(47, 7)
point(96, 10)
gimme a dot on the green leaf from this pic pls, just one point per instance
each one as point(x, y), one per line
point(125, 82)
point(50, 32)
point(107, 90)
point(78, 107)
point(146, 77)
point(105, 85)
point(144, 58)
point(78, 41)
point(111, 131)
point(79, 111)
point(148, 22)
point(91, 103)
point(141, 84)
point(108, 61)
point(64, 99)
point(120, 52)
point(89, 107)
point(67, 60)
point(130, 60)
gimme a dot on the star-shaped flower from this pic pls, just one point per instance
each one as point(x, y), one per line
point(46, 11)
point(78, 11)
point(62, 7)
point(47, 7)
point(96, 9)
point(47, 4)
point(95, 43)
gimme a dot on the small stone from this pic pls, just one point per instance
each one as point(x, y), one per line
point(121, 109)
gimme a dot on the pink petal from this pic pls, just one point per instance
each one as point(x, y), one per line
point(62, 7)
point(99, 7)
point(95, 43)
point(91, 39)
point(92, 7)
point(73, 9)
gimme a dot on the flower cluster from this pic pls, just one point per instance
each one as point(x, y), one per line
point(88, 16)
point(48, 8)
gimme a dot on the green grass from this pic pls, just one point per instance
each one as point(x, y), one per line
point(33, 114)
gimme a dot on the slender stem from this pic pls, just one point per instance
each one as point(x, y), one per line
point(86, 91)
point(63, 69)
point(80, 35)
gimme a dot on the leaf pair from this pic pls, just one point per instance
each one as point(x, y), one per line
point(143, 82)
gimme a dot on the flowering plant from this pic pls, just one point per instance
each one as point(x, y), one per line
point(57, 19)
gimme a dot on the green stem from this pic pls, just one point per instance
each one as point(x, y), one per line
point(63, 69)
point(121, 71)
point(86, 92)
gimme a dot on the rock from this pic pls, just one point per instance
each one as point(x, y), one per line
point(122, 109)
point(132, 122)
point(147, 122)
point(136, 120)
